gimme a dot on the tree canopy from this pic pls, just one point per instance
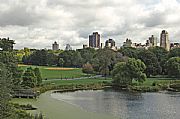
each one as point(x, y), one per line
point(173, 67)
point(125, 72)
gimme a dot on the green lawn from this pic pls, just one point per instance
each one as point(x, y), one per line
point(150, 81)
point(77, 82)
point(57, 74)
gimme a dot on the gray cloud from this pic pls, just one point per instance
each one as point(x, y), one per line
point(38, 24)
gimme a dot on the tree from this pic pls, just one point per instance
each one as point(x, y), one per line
point(130, 52)
point(67, 57)
point(29, 78)
point(76, 59)
point(162, 56)
point(52, 59)
point(38, 76)
point(5, 88)
point(174, 52)
point(87, 68)
point(87, 54)
point(124, 72)
point(151, 62)
point(104, 61)
point(61, 62)
point(173, 67)
point(6, 44)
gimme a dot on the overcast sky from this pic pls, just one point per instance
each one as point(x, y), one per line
point(38, 23)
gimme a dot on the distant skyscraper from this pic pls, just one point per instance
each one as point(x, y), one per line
point(153, 41)
point(128, 43)
point(55, 46)
point(68, 47)
point(164, 40)
point(94, 40)
point(110, 43)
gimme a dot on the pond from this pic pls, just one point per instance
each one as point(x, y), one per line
point(125, 105)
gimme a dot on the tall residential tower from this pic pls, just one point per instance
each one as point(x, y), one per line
point(55, 46)
point(164, 40)
point(94, 40)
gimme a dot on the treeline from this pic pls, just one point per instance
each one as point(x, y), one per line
point(158, 61)
point(102, 61)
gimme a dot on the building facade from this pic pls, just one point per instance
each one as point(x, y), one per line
point(110, 43)
point(94, 40)
point(174, 45)
point(128, 43)
point(152, 42)
point(55, 46)
point(164, 40)
point(68, 47)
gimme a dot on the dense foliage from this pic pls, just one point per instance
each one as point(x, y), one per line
point(10, 78)
point(125, 72)
point(102, 60)
point(173, 67)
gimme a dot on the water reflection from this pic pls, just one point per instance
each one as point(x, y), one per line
point(124, 104)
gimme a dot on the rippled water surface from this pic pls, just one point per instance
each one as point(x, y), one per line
point(125, 105)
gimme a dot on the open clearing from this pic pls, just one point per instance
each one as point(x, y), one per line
point(57, 72)
point(60, 69)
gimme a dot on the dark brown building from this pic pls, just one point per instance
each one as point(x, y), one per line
point(94, 40)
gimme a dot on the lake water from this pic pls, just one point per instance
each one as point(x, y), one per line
point(125, 105)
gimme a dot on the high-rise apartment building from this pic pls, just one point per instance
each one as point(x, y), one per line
point(164, 40)
point(110, 43)
point(128, 43)
point(68, 47)
point(94, 40)
point(55, 46)
point(152, 41)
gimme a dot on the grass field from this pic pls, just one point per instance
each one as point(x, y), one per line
point(77, 82)
point(57, 72)
point(150, 81)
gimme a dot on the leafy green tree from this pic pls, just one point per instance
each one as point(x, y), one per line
point(151, 62)
point(67, 57)
point(38, 75)
point(5, 89)
point(52, 59)
point(6, 44)
point(29, 78)
point(173, 67)
point(130, 52)
point(125, 72)
point(162, 56)
point(39, 57)
point(87, 54)
point(160, 52)
point(87, 68)
point(174, 52)
point(76, 59)
point(61, 62)
point(104, 61)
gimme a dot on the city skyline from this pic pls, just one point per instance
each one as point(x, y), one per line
point(38, 25)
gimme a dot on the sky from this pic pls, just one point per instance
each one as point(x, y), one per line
point(38, 23)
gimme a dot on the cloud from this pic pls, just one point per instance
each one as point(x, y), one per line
point(38, 24)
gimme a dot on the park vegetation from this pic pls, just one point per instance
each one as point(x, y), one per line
point(128, 67)
point(9, 80)
point(102, 61)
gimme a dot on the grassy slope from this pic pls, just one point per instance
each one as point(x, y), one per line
point(56, 74)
